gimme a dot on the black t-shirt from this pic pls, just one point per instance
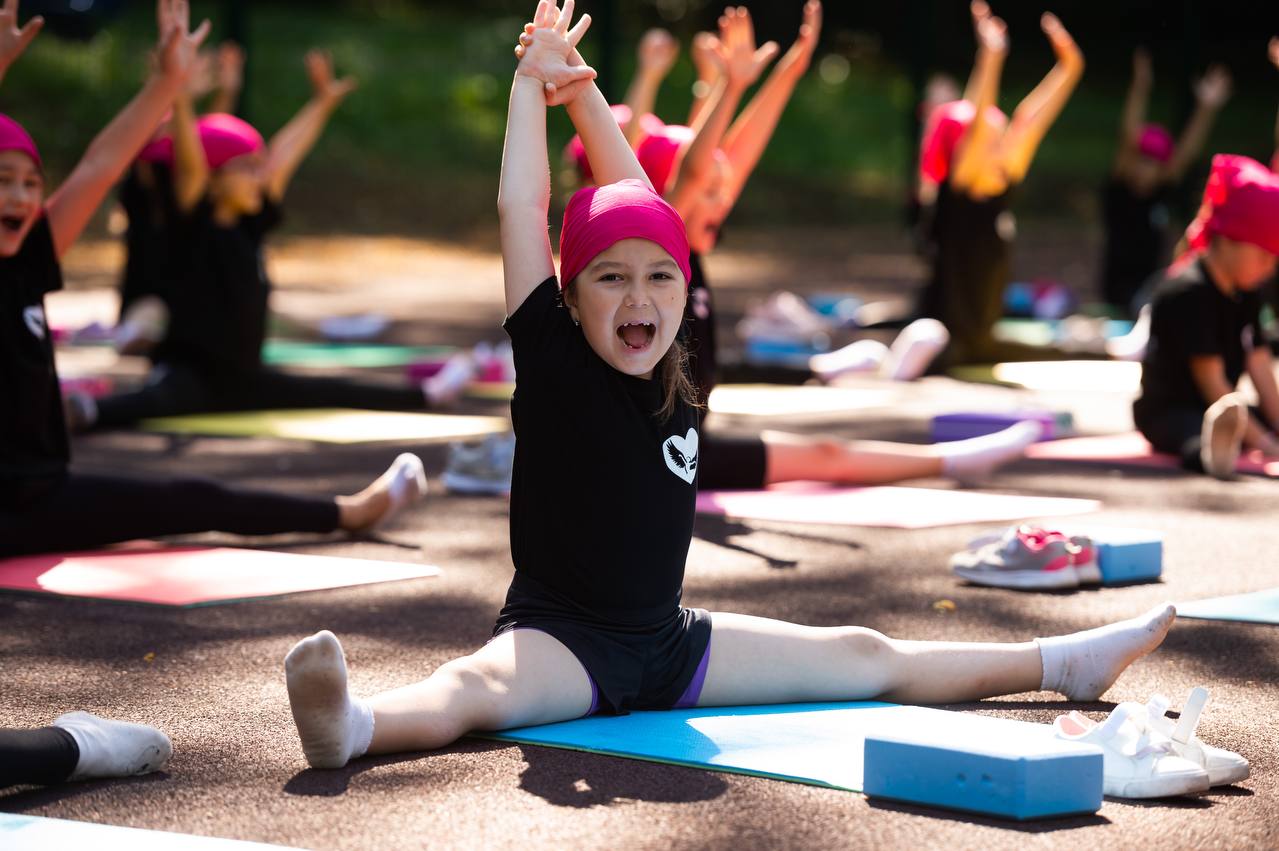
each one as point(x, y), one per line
point(973, 243)
point(146, 194)
point(33, 435)
point(603, 492)
point(220, 291)
point(1189, 317)
point(1136, 238)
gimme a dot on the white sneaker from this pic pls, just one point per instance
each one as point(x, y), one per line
point(1224, 767)
point(1139, 761)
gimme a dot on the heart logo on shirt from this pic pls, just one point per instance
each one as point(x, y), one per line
point(681, 455)
point(33, 315)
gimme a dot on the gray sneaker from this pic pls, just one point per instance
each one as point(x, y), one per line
point(481, 468)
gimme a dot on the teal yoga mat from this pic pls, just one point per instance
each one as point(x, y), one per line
point(354, 355)
point(1257, 607)
point(820, 744)
point(35, 833)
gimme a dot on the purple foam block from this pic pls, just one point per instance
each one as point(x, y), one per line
point(961, 426)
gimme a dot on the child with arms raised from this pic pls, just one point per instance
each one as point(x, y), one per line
point(43, 505)
point(593, 620)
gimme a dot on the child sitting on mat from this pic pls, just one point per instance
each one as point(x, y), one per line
point(702, 172)
point(978, 157)
point(44, 507)
point(603, 498)
point(1147, 170)
point(228, 184)
point(1204, 327)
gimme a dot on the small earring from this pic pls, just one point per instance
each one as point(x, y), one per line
point(577, 322)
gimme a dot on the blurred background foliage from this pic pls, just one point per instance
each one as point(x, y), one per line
point(417, 149)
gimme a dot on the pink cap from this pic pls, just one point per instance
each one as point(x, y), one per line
point(223, 137)
point(946, 126)
point(600, 216)
point(576, 151)
point(1155, 142)
point(1241, 202)
point(13, 137)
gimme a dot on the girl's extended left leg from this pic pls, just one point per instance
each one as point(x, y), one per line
point(759, 660)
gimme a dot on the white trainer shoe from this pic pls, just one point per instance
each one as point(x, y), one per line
point(1139, 761)
point(1224, 767)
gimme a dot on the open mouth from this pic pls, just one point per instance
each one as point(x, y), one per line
point(12, 224)
point(637, 336)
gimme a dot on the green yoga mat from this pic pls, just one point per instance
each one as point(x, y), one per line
point(333, 425)
point(353, 355)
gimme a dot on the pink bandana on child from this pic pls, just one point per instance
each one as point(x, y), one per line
point(223, 137)
point(600, 216)
point(1241, 202)
point(946, 126)
point(659, 152)
point(1155, 142)
point(576, 151)
point(13, 137)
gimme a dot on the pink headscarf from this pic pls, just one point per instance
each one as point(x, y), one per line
point(576, 151)
point(223, 137)
point(946, 126)
point(13, 137)
point(600, 216)
point(659, 151)
point(1241, 202)
point(1155, 142)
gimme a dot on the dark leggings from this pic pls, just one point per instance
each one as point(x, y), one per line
point(1177, 431)
point(174, 389)
point(81, 511)
point(36, 757)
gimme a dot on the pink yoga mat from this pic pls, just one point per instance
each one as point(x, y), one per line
point(896, 508)
point(191, 576)
point(1133, 450)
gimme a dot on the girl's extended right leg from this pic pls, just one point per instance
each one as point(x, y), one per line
point(521, 677)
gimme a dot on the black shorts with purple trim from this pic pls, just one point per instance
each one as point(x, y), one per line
point(656, 663)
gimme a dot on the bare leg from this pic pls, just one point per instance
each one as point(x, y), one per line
point(758, 660)
point(793, 457)
point(521, 677)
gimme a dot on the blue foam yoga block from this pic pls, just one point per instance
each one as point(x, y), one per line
point(1126, 555)
point(1016, 773)
point(963, 425)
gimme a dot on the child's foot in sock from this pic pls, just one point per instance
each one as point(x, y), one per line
point(443, 389)
point(1084, 664)
point(863, 356)
point(974, 459)
point(914, 349)
point(334, 727)
point(402, 485)
point(114, 748)
point(1221, 437)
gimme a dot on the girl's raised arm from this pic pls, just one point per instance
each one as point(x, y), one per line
point(72, 205)
point(1039, 109)
point(657, 52)
point(289, 147)
point(1211, 94)
point(1134, 114)
point(524, 194)
point(746, 140)
point(14, 40)
point(972, 152)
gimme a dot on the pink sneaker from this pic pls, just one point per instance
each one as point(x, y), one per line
point(1026, 557)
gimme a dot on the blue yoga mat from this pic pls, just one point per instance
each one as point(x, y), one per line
point(1258, 607)
point(820, 744)
point(34, 833)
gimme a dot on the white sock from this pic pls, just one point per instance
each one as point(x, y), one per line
point(444, 388)
point(1132, 346)
point(977, 457)
point(1221, 436)
point(334, 727)
point(114, 748)
point(914, 349)
point(861, 356)
point(407, 485)
point(1083, 665)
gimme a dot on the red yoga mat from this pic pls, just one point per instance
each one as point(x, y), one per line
point(896, 508)
point(1132, 449)
point(192, 576)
